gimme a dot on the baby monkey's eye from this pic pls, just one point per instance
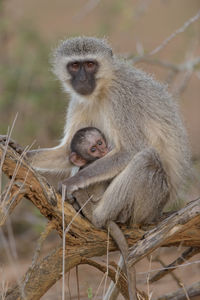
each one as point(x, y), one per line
point(93, 149)
point(99, 142)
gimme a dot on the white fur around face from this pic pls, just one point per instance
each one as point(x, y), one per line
point(60, 70)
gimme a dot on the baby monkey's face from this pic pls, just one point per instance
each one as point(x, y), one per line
point(95, 145)
point(88, 147)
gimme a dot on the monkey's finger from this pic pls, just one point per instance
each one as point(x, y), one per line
point(71, 200)
point(76, 206)
point(70, 197)
point(16, 146)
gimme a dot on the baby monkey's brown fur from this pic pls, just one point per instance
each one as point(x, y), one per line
point(87, 145)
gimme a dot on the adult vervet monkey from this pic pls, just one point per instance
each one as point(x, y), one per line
point(149, 157)
point(141, 122)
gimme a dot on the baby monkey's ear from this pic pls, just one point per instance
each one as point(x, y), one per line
point(77, 160)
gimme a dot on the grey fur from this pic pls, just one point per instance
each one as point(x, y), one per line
point(149, 158)
point(83, 46)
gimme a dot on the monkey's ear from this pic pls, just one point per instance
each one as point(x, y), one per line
point(77, 160)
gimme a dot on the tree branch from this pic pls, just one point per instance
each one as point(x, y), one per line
point(181, 294)
point(181, 227)
point(169, 231)
point(187, 254)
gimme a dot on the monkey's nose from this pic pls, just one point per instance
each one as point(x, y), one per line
point(82, 75)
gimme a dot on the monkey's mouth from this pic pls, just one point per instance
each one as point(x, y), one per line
point(83, 88)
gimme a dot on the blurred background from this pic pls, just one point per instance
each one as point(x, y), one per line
point(29, 30)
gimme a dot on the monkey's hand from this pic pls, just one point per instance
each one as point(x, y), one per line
point(68, 189)
point(11, 143)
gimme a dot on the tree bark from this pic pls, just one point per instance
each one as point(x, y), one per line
point(83, 240)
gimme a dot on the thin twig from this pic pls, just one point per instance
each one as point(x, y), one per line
point(165, 42)
point(107, 262)
point(6, 205)
point(18, 165)
point(97, 291)
point(63, 244)
point(192, 291)
point(187, 254)
point(175, 33)
point(5, 150)
point(77, 283)
point(121, 280)
point(185, 291)
point(12, 260)
point(77, 213)
point(11, 239)
point(48, 228)
point(148, 279)
point(188, 65)
point(68, 285)
point(64, 234)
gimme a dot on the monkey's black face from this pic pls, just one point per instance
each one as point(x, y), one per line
point(83, 75)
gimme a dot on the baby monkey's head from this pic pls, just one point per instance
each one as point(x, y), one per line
point(87, 145)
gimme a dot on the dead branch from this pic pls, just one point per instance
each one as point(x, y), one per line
point(175, 33)
point(188, 65)
point(181, 227)
point(173, 275)
point(121, 283)
point(11, 201)
point(183, 294)
point(169, 231)
point(186, 255)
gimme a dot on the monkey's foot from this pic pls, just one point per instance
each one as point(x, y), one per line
point(11, 143)
point(72, 200)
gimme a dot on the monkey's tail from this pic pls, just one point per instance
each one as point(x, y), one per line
point(118, 235)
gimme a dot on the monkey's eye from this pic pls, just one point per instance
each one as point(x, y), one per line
point(90, 66)
point(93, 149)
point(74, 67)
point(99, 142)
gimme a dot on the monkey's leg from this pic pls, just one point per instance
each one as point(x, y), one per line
point(140, 191)
point(120, 240)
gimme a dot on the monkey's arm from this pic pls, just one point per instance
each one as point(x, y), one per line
point(53, 160)
point(102, 169)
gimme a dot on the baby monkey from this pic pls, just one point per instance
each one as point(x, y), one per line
point(87, 145)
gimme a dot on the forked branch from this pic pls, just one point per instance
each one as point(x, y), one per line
point(181, 227)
